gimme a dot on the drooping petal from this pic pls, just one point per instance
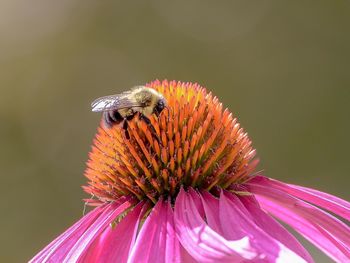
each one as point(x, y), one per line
point(329, 202)
point(114, 244)
point(237, 222)
point(212, 211)
point(157, 241)
point(186, 257)
point(264, 221)
point(88, 237)
point(173, 246)
point(197, 201)
point(325, 231)
point(202, 242)
point(62, 244)
point(272, 227)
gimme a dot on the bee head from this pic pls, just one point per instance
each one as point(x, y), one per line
point(160, 105)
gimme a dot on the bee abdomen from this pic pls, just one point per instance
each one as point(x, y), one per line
point(111, 118)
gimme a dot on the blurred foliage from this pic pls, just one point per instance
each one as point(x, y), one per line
point(282, 67)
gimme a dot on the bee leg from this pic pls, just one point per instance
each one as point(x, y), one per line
point(153, 130)
point(125, 128)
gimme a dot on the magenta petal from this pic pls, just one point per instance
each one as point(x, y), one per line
point(115, 244)
point(273, 228)
point(264, 221)
point(197, 200)
point(87, 238)
point(62, 244)
point(325, 231)
point(211, 208)
point(185, 256)
point(238, 222)
point(157, 241)
point(329, 202)
point(202, 242)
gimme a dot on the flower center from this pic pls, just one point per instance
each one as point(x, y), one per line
point(193, 142)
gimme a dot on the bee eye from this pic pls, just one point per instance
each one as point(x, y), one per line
point(159, 107)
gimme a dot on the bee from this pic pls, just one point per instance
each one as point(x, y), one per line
point(121, 108)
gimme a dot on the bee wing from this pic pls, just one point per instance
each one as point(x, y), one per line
point(113, 102)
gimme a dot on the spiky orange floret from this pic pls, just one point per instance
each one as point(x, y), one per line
point(194, 143)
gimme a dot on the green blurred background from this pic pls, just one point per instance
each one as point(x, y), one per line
point(282, 67)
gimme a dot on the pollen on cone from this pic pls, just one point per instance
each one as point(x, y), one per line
point(193, 142)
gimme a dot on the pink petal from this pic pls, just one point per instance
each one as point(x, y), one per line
point(185, 256)
point(325, 231)
point(197, 200)
point(61, 245)
point(87, 238)
point(173, 246)
point(273, 228)
point(115, 244)
point(268, 224)
point(212, 211)
point(202, 242)
point(157, 241)
point(326, 201)
point(241, 224)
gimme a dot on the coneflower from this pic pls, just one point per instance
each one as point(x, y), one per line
point(184, 190)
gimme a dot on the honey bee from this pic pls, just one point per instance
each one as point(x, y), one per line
point(121, 108)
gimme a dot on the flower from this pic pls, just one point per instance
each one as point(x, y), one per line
point(183, 189)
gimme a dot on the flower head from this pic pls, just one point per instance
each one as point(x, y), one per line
point(182, 189)
point(193, 143)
